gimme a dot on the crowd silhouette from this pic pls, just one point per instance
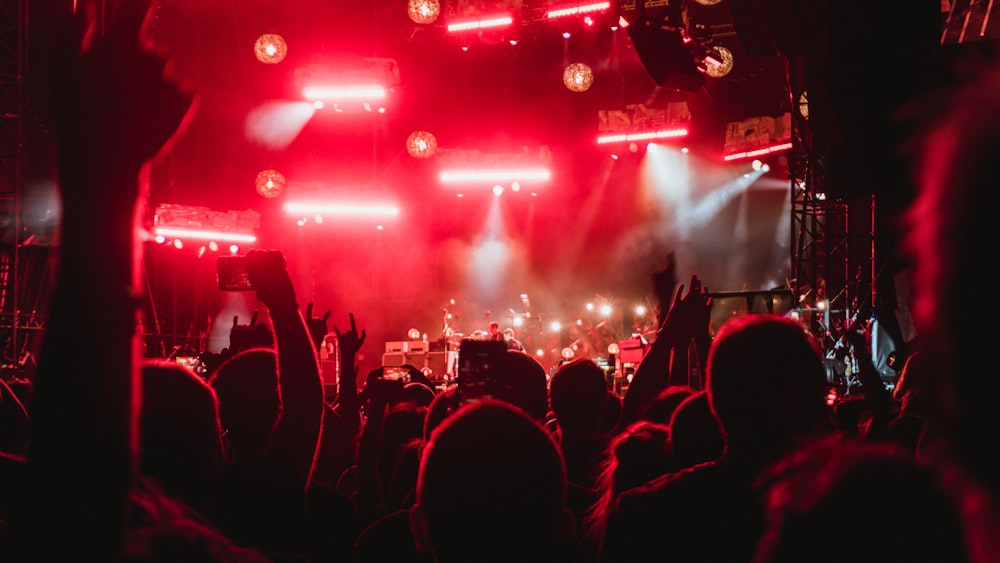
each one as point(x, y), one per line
point(142, 459)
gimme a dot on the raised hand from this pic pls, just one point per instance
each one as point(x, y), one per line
point(665, 280)
point(350, 342)
point(689, 314)
point(241, 337)
point(268, 274)
point(116, 87)
point(317, 326)
point(699, 307)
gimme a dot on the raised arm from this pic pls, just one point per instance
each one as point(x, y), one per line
point(298, 430)
point(349, 343)
point(666, 362)
point(114, 111)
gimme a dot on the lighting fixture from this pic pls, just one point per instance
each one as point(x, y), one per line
point(578, 77)
point(719, 61)
point(501, 20)
point(758, 152)
point(423, 11)
point(421, 144)
point(270, 48)
point(642, 136)
point(270, 183)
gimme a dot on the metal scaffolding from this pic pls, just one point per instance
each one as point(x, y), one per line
point(13, 41)
point(821, 258)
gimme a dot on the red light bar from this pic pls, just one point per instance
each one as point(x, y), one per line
point(647, 136)
point(356, 209)
point(173, 232)
point(758, 152)
point(513, 175)
point(494, 21)
point(575, 10)
point(355, 92)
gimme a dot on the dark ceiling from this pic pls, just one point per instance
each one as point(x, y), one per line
point(494, 97)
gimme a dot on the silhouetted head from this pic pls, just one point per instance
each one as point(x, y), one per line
point(896, 508)
point(443, 405)
point(637, 454)
point(578, 393)
point(525, 384)
point(492, 486)
point(418, 393)
point(180, 433)
point(249, 398)
point(767, 384)
point(695, 435)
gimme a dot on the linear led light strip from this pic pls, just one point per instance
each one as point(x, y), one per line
point(203, 235)
point(758, 152)
point(356, 92)
point(527, 175)
point(496, 21)
point(666, 134)
point(341, 209)
point(575, 10)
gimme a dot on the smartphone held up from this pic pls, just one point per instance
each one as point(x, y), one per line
point(479, 368)
point(231, 272)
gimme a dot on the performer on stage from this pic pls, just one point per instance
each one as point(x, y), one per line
point(512, 342)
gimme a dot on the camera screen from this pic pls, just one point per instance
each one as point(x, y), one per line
point(478, 368)
point(396, 373)
point(232, 273)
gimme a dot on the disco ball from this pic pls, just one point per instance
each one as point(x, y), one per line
point(270, 183)
point(270, 48)
point(421, 144)
point(578, 77)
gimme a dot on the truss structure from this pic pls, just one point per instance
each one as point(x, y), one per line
point(12, 108)
point(820, 226)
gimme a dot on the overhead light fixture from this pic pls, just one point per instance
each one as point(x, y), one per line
point(493, 176)
point(421, 144)
point(492, 21)
point(644, 136)
point(179, 233)
point(577, 10)
point(270, 183)
point(718, 61)
point(578, 77)
point(346, 92)
point(758, 152)
point(423, 11)
point(270, 48)
point(343, 208)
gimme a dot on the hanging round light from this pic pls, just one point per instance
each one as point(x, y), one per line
point(423, 11)
point(270, 48)
point(421, 144)
point(725, 58)
point(708, 2)
point(578, 77)
point(270, 183)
